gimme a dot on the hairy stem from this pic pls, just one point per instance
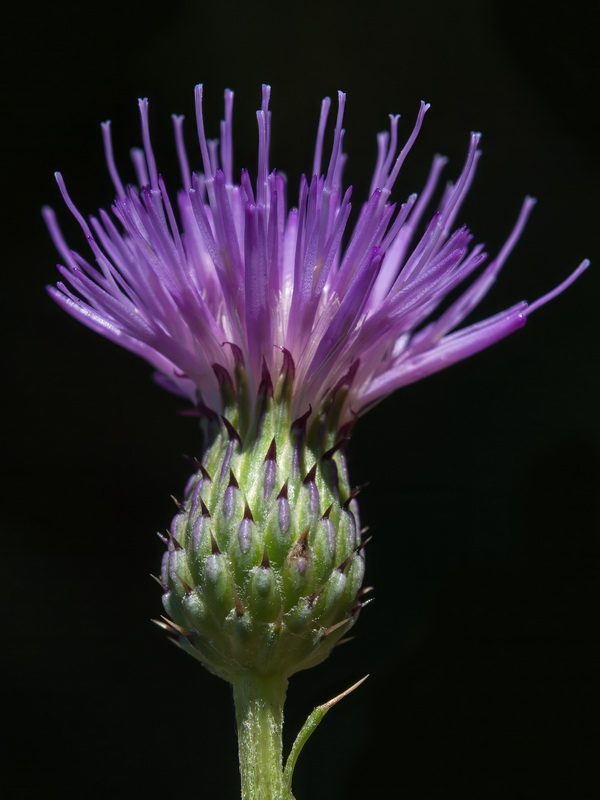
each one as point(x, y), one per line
point(259, 703)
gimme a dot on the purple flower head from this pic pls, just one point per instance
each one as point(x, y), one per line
point(224, 275)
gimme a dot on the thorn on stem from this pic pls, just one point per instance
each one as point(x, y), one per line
point(328, 455)
point(272, 451)
point(168, 623)
point(162, 585)
point(231, 431)
point(299, 425)
point(186, 587)
point(310, 475)
point(328, 631)
point(178, 504)
point(204, 509)
point(204, 473)
point(232, 480)
point(353, 494)
point(174, 542)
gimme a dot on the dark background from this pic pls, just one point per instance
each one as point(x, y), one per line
point(482, 644)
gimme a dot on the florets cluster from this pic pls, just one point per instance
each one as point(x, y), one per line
point(228, 274)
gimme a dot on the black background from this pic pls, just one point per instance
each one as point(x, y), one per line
point(482, 644)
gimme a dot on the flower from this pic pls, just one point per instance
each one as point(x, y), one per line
point(230, 277)
point(281, 327)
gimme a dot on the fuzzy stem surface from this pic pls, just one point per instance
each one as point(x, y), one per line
point(259, 701)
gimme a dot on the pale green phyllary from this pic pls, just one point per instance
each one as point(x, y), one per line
point(264, 563)
point(282, 327)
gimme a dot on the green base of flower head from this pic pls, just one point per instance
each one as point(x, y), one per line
point(264, 562)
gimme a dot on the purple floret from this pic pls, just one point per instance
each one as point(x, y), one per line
point(229, 275)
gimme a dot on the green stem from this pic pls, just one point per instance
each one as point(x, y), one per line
point(259, 703)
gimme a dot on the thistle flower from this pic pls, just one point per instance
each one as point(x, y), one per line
point(282, 327)
point(237, 280)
